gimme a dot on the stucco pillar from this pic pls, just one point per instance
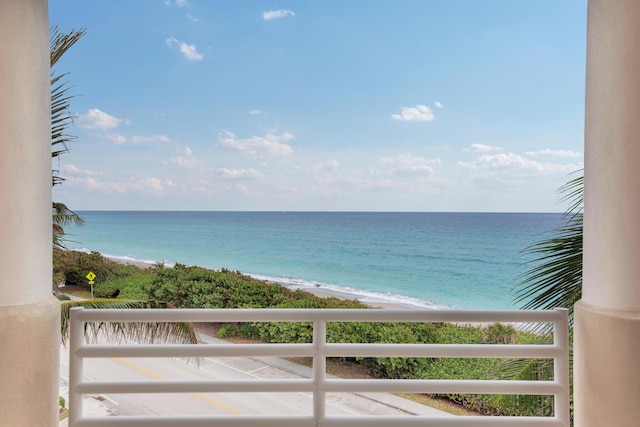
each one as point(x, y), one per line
point(29, 315)
point(607, 319)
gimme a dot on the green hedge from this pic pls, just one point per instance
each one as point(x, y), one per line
point(129, 287)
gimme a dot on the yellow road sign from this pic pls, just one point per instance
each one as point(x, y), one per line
point(91, 276)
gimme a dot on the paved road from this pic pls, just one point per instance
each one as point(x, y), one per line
point(224, 404)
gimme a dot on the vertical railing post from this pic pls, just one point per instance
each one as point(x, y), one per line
point(76, 365)
point(319, 370)
point(561, 366)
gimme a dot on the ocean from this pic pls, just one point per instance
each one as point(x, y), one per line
point(435, 260)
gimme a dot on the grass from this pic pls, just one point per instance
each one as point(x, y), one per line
point(76, 291)
point(440, 403)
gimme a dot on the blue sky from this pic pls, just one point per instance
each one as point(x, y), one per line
point(445, 105)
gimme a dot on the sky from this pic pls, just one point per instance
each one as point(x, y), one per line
point(428, 105)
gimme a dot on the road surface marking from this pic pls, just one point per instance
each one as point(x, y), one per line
point(251, 374)
point(200, 396)
point(258, 369)
point(139, 368)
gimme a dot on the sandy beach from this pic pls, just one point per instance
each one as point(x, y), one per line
point(323, 293)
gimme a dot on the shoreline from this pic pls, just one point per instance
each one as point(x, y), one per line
point(321, 292)
point(317, 291)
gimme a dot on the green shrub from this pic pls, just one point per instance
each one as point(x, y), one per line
point(249, 330)
point(63, 297)
point(228, 330)
point(106, 290)
point(128, 287)
point(72, 267)
point(499, 333)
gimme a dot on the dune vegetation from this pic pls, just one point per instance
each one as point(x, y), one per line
point(196, 287)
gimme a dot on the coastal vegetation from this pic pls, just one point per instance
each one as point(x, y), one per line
point(195, 287)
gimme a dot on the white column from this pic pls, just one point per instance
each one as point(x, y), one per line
point(607, 322)
point(29, 315)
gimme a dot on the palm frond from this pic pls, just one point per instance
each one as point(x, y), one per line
point(61, 119)
point(60, 43)
point(142, 332)
point(531, 370)
point(573, 192)
point(555, 278)
point(62, 216)
point(526, 370)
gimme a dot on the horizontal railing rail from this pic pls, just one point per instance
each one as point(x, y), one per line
point(319, 385)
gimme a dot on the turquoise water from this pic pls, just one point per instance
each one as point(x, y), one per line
point(459, 260)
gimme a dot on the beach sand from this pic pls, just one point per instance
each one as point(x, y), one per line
point(139, 264)
point(323, 293)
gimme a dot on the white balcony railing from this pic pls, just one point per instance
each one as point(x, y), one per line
point(319, 350)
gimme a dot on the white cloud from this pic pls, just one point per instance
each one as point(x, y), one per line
point(139, 139)
point(482, 148)
point(331, 165)
point(179, 3)
point(409, 164)
point(419, 113)
point(72, 169)
point(192, 18)
point(189, 163)
point(554, 153)
point(515, 162)
point(185, 151)
point(277, 14)
point(271, 143)
point(141, 186)
point(153, 184)
point(438, 104)
point(97, 119)
point(116, 138)
point(188, 50)
point(234, 174)
point(255, 112)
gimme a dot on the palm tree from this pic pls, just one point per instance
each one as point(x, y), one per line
point(60, 121)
